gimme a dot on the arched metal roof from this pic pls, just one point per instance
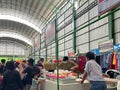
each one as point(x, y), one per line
point(26, 17)
point(17, 19)
point(19, 28)
point(13, 40)
point(16, 36)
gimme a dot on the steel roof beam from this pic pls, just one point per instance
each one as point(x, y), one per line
point(47, 8)
point(16, 36)
point(20, 5)
point(40, 9)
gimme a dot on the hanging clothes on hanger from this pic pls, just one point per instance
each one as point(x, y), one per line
point(116, 61)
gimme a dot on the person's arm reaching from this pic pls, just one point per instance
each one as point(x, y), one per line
point(84, 76)
point(75, 65)
point(87, 70)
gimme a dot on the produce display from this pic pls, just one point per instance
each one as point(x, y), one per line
point(62, 74)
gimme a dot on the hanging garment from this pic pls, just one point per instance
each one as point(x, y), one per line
point(117, 63)
point(101, 61)
point(114, 58)
point(109, 58)
point(97, 59)
point(105, 60)
point(111, 63)
point(81, 63)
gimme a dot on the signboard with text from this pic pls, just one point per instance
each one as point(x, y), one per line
point(106, 46)
point(107, 5)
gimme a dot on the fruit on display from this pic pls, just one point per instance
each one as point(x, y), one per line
point(55, 76)
point(74, 74)
point(63, 74)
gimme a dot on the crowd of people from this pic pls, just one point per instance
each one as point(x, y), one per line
point(19, 76)
point(92, 71)
point(24, 76)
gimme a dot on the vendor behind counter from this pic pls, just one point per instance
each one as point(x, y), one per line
point(67, 64)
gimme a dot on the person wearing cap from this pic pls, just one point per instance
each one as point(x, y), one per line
point(67, 64)
point(93, 73)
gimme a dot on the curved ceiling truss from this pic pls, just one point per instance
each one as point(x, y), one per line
point(15, 41)
point(24, 19)
point(16, 36)
point(11, 26)
point(33, 13)
point(17, 30)
point(19, 20)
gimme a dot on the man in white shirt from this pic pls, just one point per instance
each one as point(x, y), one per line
point(93, 73)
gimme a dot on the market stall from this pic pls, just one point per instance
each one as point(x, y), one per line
point(52, 85)
point(70, 81)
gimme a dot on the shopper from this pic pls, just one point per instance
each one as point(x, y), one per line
point(17, 66)
point(93, 72)
point(27, 80)
point(40, 63)
point(35, 81)
point(21, 69)
point(24, 62)
point(11, 78)
point(67, 64)
point(2, 66)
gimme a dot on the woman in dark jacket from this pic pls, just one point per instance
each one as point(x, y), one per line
point(11, 78)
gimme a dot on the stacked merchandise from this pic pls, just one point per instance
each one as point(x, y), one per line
point(110, 63)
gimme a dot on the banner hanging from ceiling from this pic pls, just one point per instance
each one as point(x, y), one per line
point(107, 5)
point(37, 42)
point(50, 32)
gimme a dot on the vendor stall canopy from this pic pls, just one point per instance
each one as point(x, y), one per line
point(22, 20)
